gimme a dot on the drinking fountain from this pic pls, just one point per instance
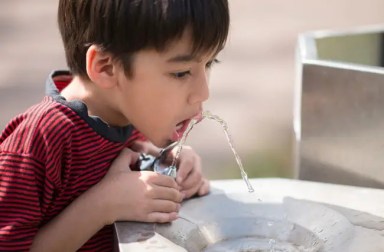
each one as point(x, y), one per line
point(335, 202)
point(281, 215)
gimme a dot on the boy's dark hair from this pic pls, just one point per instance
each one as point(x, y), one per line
point(122, 27)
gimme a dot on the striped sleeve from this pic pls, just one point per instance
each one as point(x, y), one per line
point(20, 213)
point(48, 157)
point(23, 180)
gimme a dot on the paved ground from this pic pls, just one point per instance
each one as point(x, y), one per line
point(252, 89)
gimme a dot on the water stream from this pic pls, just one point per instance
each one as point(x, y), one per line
point(209, 115)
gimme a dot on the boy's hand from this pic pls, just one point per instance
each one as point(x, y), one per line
point(189, 174)
point(138, 196)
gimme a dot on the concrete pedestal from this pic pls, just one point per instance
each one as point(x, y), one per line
point(282, 214)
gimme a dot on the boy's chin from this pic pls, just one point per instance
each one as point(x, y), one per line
point(163, 143)
point(167, 142)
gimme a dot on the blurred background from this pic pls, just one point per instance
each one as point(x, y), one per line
point(251, 89)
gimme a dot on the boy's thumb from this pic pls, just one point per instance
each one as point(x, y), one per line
point(126, 159)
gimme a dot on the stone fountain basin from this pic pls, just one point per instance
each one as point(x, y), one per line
point(281, 215)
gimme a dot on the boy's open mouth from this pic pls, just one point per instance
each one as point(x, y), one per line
point(181, 127)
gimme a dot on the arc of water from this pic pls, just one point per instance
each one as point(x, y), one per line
point(209, 115)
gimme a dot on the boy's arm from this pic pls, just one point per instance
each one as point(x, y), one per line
point(121, 195)
point(20, 208)
point(21, 213)
point(73, 226)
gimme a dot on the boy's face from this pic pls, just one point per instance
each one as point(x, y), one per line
point(166, 91)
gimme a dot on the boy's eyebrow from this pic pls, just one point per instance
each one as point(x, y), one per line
point(182, 58)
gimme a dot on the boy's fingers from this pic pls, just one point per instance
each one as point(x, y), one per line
point(204, 188)
point(186, 167)
point(164, 181)
point(191, 191)
point(201, 189)
point(162, 217)
point(166, 193)
point(165, 206)
point(193, 180)
point(126, 159)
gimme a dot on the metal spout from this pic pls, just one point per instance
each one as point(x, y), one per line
point(150, 163)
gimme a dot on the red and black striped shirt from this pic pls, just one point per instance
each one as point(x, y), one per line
point(49, 155)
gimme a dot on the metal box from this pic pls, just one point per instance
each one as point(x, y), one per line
point(339, 107)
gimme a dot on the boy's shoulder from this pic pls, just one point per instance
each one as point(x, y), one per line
point(46, 114)
point(37, 124)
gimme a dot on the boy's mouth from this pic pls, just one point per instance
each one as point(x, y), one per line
point(182, 126)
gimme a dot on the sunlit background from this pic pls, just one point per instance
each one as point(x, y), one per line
point(251, 89)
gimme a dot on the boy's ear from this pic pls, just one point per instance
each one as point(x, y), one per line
point(100, 67)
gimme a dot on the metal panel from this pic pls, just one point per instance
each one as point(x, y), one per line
point(342, 126)
point(339, 107)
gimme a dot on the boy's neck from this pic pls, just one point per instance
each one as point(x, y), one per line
point(75, 90)
point(95, 99)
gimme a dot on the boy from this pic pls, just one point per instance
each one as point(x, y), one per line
point(135, 66)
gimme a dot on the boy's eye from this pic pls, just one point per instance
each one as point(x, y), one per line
point(180, 75)
point(212, 62)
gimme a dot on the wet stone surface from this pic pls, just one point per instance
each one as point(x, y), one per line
point(281, 215)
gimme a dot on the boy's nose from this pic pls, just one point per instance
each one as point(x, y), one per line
point(200, 90)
